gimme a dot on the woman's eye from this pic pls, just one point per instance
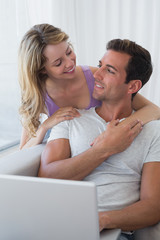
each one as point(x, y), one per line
point(68, 53)
point(58, 64)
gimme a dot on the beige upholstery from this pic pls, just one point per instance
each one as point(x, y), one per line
point(26, 163)
point(149, 233)
point(23, 162)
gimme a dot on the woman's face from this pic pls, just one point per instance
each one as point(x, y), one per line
point(61, 61)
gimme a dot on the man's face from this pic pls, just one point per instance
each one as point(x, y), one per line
point(111, 76)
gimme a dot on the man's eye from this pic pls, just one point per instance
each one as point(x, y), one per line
point(98, 65)
point(110, 71)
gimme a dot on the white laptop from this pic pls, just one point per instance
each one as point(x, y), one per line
point(47, 209)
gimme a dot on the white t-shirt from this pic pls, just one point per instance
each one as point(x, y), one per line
point(118, 178)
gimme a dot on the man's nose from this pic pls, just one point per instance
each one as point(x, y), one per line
point(98, 74)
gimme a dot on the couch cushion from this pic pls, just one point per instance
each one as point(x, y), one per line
point(23, 162)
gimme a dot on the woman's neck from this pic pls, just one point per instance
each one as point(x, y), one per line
point(69, 92)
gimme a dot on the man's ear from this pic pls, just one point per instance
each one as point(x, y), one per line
point(134, 86)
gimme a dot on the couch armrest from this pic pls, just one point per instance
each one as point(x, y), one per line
point(23, 162)
point(151, 233)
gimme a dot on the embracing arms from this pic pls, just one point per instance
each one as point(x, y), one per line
point(146, 111)
point(56, 161)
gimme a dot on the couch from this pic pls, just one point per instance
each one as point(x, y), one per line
point(26, 163)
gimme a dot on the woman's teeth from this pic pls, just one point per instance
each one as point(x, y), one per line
point(71, 69)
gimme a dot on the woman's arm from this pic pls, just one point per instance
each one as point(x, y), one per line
point(146, 111)
point(24, 138)
point(62, 114)
point(93, 69)
point(27, 142)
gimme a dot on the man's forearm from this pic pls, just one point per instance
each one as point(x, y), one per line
point(136, 216)
point(56, 161)
point(75, 168)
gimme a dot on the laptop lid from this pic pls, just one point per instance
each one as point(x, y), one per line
point(39, 208)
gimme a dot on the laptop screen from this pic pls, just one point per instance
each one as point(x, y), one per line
point(39, 208)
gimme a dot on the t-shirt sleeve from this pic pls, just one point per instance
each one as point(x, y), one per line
point(61, 130)
point(154, 149)
point(154, 152)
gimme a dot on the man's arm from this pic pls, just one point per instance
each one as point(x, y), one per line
point(56, 161)
point(143, 213)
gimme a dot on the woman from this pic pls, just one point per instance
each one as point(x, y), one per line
point(51, 83)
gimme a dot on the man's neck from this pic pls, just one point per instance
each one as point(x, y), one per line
point(114, 111)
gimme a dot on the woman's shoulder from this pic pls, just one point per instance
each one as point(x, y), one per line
point(88, 68)
point(93, 69)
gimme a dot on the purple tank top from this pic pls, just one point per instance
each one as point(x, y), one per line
point(52, 107)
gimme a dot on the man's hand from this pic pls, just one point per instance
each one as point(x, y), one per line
point(117, 137)
point(103, 219)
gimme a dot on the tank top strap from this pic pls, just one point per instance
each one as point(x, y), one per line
point(89, 77)
point(90, 82)
point(51, 106)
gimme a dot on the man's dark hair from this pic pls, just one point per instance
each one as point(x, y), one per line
point(139, 66)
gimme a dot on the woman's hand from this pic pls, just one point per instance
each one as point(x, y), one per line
point(62, 114)
point(117, 137)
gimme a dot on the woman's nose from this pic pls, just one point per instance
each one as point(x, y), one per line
point(69, 62)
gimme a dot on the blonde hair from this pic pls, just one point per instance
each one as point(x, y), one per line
point(30, 70)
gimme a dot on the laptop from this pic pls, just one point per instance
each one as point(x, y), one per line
point(47, 209)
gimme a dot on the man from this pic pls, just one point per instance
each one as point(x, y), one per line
point(128, 182)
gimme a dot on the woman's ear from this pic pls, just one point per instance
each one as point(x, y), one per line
point(43, 71)
point(134, 86)
point(43, 74)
